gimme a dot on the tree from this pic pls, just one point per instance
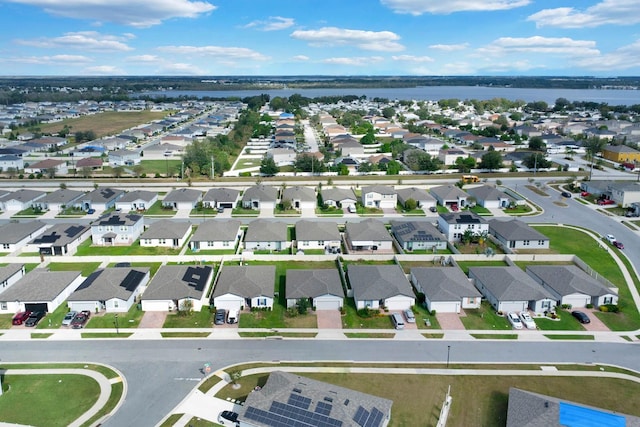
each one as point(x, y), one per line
point(118, 171)
point(593, 146)
point(491, 160)
point(393, 168)
point(536, 161)
point(388, 112)
point(139, 169)
point(51, 172)
point(465, 164)
point(286, 204)
point(368, 138)
point(410, 204)
point(537, 144)
point(268, 166)
point(63, 185)
point(468, 236)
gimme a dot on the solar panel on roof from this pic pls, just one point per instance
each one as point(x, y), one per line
point(361, 416)
point(89, 280)
point(299, 401)
point(323, 408)
point(132, 280)
point(197, 277)
point(74, 230)
point(374, 418)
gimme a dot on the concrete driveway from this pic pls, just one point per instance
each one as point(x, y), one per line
point(153, 319)
point(329, 319)
point(450, 320)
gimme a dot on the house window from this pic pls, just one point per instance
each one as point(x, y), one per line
point(525, 243)
point(608, 300)
point(225, 243)
point(210, 244)
point(123, 228)
point(540, 242)
point(261, 302)
point(115, 303)
point(147, 241)
point(368, 303)
point(320, 243)
point(162, 241)
point(3, 305)
point(6, 246)
point(99, 228)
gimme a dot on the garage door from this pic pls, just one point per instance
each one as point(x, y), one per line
point(226, 205)
point(446, 307)
point(40, 306)
point(326, 305)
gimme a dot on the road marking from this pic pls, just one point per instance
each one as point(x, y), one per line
point(186, 379)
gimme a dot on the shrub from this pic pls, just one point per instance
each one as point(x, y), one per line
point(589, 306)
point(245, 174)
point(157, 175)
point(609, 308)
point(433, 312)
point(366, 312)
point(566, 306)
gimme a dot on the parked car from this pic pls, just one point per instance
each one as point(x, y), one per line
point(603, 202)
point(527, 321)
point(610, 238)
point(68, 318)
point(221, 314)
point(220, 209)
point(515, 321)
point(566, 194)
point(618, 245)
point(81, 319)
point(581, 316)
point(34, 318)
point(433, 209)
point(454, 207)
point(408, 314)
point(91, 211)
point(20, 317)
point(585, 194)
point(228, 418)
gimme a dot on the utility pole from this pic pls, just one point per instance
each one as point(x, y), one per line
point(213, 168)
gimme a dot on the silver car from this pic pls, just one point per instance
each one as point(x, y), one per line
point(68, 318)
point(408, 314)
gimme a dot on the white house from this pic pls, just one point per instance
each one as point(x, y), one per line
point(515, 234)
point(489, 197)
point(445, 289)
point(59, 240)
point(166, 233)
point(260, 197)
point(339, 197)
point(422, 197)
point(317, 235)
point(368, 235)
point(418, 235)
point(137, 200)
point(455, 224)
point(377, 286)
point(182, 199)
point(60, 199)
point(20, 200)
point(249, 286)
point(15, 235)
point(266, 235)
point(216, 235)
point(178, 287)
point(321, 287)
point(9, 275)
point(29, 294)
point(300, 197)
point(117, 228)
point(379, 196)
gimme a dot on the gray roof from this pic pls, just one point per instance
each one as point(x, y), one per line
point(39, 285)
point(62, 196)
point(338, 194)
point(117, 218)
point(134, 195)
point(182, 195)
point(248, 281)
point(414, 193)
point(416, 231)
point(8, 271)
point(222, 195)
point(14, 232)
point(466, 217)
point(376, 282)
point(103, 195)
point(305, 194)
point(380, 189)
point(487, 192)
point(112, 282)
point(173, 282)
point(60, 234)
point(261, 192)
point(216, 230)
point(341, 404)
point(509, 283)
point(444, 283)
point(261, 230)
point(313, 230)
point(569, 279)
point(369, 229)
point(166, 229)
point(514, 230)
point(313, 283)
point(448, 192)
point(528, 409)
point(23, 195)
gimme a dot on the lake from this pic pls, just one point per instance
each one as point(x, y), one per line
point(434, 93)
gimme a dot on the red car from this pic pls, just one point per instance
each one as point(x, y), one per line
point(603, 202)
point(20, 317)
point(585, 194)
point(81, 318)
point(618, 245)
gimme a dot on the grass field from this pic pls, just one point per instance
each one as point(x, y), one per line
point(103, 124)
point(85, 268)
point(87, 249)
point(130, 319)
point(197, 319)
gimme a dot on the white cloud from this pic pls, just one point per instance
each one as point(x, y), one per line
point(359, 61)
point(449, 47)
point(301, 58)
point(544, 45)
point(386, 41)
point(144, 58)
point(274, 23)
point(439, 7)
point(104, 69)
point(607, 12)
point(503, 67)
point(623, 58)
point(136, 13)
point(84, 40)
point(219, 52)
point(412, 58)
point(181, 69)
point(53, 60)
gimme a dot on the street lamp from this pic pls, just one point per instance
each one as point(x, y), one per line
point(115, 322)
point(448, 353)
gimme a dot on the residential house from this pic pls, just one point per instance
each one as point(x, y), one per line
point(378, 286)
point(300, 197)
point(124, 158)
point(48, 167)
point(89, 163)
point(515, 234)
point(166, 233)
point(15, 235)
point(247, 286)
point(60, 239)
point(423, 199)
point(226, 198)
point(570, 285)
point(621, 154)
point(339, 197)
point(445, 289)
point(11, 162)
point(182, 198)
point(266, 235)
point(20, 200)
point(455, 224)
point(314, 235)
point(368, 235)
point(348, 162)
point(102, 199)
point(9, 275)
point(112, 289)
point(282, 156)
point(418, 235)
point(350, 148)
point(450, 196)
point(39, 290)
point(59, 200)
point(260, 197)
point(321, 287)
point(511, 289)
point(117, 228)
point(489, 197)
point(216, 235)
point(379, 196)
point(137, 200)
point(178, 287)
point(450, 155)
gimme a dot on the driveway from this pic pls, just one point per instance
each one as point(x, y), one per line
point(450, 321)
point(153, 319)
point(329, 319)
point(596, 324)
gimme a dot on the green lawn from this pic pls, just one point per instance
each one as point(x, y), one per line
point(330, 211)
point(5, 321)
point(518, 210)
point(30, 212)
point(85, 268)
point(464, 265)
point(352, 320)
point(245, 212)
point(54, 320)
point(564, 322)
point(131, 319)
point(87, 249)
point(152, 167)
point(203, 212)
point(158, 210)
point(153, 266)
point(480, 210)
point(197, 319)
point(59, 399)
point(484, 317)
point(571, 337)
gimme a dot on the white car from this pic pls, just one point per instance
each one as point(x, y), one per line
point(527, 321)
point(68, 318)
point(515, 321)
point(610, 238)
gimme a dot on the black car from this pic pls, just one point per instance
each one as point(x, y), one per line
point(566, 194)
point(221, 314)
point(81, 319)
point(582, 317)
point(228, 418)
point(34, 318)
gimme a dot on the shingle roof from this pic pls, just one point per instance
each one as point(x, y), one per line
point(60, 234)
point(39, 285)
point(487, 192)
point(23, 195)
point(183, 195)
point(444, 283)
point(9, 270)
point(15, 232)
point(118, 218)
point(416, 231)
point(222, 195)
point(166, 229)
point(135, 195)
point(314, 230)
point(107, 283)
point(463, 218)
point(448, 192)
point(260, 192)
point(569, 279)
point(174, 282)
point(376, 282)
point(414, 193)
point(514, 230)
point(216, 230)
point(103, 195)
point(305, 194)
point(380, 189)
point(313, 283)
point(266, 231)
point(63, 196)
point(369, 229)
point(338, 194)
point(509, 283)
point(249, 281)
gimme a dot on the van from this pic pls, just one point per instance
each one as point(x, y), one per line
point(232, 317)
point(352, 209)
point(398, 323)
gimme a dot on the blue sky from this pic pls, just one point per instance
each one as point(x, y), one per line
point(330, 37)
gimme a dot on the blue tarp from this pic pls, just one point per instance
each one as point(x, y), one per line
point(579, 416)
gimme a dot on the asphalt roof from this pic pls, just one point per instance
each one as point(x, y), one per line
point(416, 231)
point(183, 195)
point(376, 282)
point(117, 219)
point(313, 283)
point(338, 194)
point(60, 234)
point(224, 195)
point(173, 282)
point(62, 195)
point(448, 192)
point(261, 192)
point(465, 217)
point(111, 282)
point(444, 283)
point(509, 283)
point(367, 230)
point(487, 192)
point(166, 229)
point(9, 270)
point(414, 193)
point(23, 195)
point(305, 194)
point(380, 189)
point(15, 232)
point(217, 230)
point(266, 231)
point(247, 281)
point(103, 195)
point(314, 230)
point(39, 285)
point(135, 195)
point(514, 230)
point(569, 279)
